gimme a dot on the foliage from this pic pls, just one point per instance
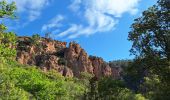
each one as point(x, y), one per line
point(35, 39)
point(30, 82)
point(151, 86)
point(150, 35)
point(110, 89)
point(119, 63)
point(126, 94)
point(8, 89)
point(7, 10)
point(7, 45)
point(7, 39)
point(134, 74)
point(85, 78)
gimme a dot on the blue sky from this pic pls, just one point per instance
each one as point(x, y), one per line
point(100, 26)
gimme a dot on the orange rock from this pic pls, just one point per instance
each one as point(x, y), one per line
point(47, 56)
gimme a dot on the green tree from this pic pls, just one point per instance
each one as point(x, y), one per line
point(35, 39)
point(150, 35)
point(7, 46)
point(7, 10)
point(7, 39)
point(109, 88)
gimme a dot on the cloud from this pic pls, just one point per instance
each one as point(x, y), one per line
point(32, 7)
point(75, 5)
point(72, 29)
point(53, 23)
point(100, 15)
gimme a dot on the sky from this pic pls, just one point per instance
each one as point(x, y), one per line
point(100, 26)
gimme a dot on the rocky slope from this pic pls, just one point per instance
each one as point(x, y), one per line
point(70, 61)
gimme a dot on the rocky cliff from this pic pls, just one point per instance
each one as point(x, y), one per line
point(70, 61)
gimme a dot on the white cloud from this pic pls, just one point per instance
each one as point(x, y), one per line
point(75, 5)
point(113, 7)
point(72, 29)
point(32, 7)
point(101, 15)
point(53, 23)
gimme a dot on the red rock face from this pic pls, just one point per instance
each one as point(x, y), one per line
point(54, 55)
point(77, 59)
point(100, 68)
point(24, 58)
point(43, 56)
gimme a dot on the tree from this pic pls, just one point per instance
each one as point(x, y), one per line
point(7, 10)
point(35, 40)
point(109, 88)
point(7, 39)
point(150, 35)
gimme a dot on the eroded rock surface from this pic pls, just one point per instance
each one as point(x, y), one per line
point(69, 61)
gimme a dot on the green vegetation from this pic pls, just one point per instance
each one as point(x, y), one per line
point(151, 44)
point(25, 82)
point(111, 89)
point(120, 63)
point(147, 77)
point(7, 10)
point(7, 43)
point(35, 39)
point(7, 39)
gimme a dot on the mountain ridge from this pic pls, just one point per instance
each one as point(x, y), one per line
point(70, 61)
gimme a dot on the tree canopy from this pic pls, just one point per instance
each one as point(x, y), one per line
point(7, 39)
point(150, 35)
point(7, 10)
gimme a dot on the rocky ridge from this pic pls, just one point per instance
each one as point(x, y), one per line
point(70, 61)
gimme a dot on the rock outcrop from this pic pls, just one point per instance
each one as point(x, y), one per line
point(78, 59)
point(100, 68)
point(69, 61)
